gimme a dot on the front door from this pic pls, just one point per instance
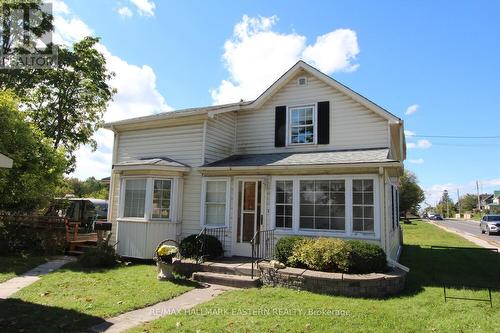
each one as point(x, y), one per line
point(250, 214)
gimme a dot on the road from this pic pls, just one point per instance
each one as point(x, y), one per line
point(471, 228)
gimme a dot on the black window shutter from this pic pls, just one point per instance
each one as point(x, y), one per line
point(280, 126)
point(324, 123)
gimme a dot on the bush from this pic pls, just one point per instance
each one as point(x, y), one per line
point(190, 246)
point(335, 255)
point(366, 258)
point(284, 248)
point(322, 254)
point(102, 256)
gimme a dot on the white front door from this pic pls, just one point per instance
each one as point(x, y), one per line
point(250, 212)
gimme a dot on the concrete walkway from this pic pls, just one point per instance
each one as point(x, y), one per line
point(10, 287)
point(175, 305)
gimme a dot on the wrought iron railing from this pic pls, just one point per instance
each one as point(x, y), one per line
point(262, 246)
point(201, 240)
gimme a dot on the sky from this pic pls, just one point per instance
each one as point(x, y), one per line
point(434, 64)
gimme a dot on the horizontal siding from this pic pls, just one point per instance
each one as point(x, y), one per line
point(220, 137)
point(181, 143)
point(351, 124)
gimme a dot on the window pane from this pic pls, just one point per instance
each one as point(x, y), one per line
point(161, 198)
point(283, 211)
point(135, 196)
point(302, 125)
point(320, 200)
point(215, 202)
point(363, 207)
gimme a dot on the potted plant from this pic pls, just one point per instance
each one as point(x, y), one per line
point(164, 257)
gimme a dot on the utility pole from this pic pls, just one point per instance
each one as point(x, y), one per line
point(478, 198)
point(459, 203)
point(447, 203)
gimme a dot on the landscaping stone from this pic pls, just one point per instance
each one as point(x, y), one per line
point(373, 285)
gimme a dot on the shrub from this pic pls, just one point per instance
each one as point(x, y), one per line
point(190, 246)
point(322, 254)
point(101, 256)
point(366, 258)
point(284, 248)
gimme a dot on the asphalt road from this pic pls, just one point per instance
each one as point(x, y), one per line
point(470, 227)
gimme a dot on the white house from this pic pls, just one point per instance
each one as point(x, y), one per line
point(309, 157)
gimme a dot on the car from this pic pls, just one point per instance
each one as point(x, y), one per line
point(435, 217)
point(490, 224)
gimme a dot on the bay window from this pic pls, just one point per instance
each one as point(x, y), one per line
point(215, 202)
point(147, 198)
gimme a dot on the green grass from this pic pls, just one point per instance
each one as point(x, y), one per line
point(12, 266)
point(74, 298)
point(420, 308)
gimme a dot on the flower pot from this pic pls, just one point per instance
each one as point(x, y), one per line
point(164, 271)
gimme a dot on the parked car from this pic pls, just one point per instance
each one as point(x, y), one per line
point(436, 217)
point(490, 224)
point(82, 210)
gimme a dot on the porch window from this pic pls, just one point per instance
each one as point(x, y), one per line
point(362, 205)
point(301, 125)
point(284, 203)
point(322, 204)
point(215, 202)
point(135, 197)
point(161, 198)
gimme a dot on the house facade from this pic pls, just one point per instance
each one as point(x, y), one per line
point(308, 157)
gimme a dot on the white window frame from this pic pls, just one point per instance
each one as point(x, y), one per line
point(348, 233)
point(289, 124)
point(204, 197)
point(148, 205)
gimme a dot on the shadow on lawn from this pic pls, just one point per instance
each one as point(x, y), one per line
point(19, 316)
point(469, 268)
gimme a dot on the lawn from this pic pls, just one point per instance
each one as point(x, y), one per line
point(420, 309)
point(74, 298)
point(12, 266)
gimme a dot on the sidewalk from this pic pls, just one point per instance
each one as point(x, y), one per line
point(10, 287)
point(175, 305)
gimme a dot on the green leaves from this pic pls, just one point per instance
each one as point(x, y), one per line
point(410, 194)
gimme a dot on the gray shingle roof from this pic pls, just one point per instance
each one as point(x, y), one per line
point(376, 155)
point(160, 161)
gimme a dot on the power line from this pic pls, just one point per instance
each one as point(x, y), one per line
point(455, 137)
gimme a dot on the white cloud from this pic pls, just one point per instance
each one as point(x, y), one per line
point(420, 144)
point(417, 161)
point(256, 56)
point(409, 133)
point(137, 96)
point(433, 193)
point(411, 109)
point(144, 7)
point(59, 7)
point(125, 12)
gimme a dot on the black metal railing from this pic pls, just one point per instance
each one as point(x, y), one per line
point(262, 246)
point(201, 240)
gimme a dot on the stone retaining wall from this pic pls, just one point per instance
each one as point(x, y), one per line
point(358, 285)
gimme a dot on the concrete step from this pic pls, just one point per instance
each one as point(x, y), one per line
point(84, 248)
point(237, 281)
point(74, 253)
point(229, 268)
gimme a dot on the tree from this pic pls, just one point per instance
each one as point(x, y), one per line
point(446, 206)
point(89, 188)
point(69, 101)
point(38, 166)
point(410, 194)
point(468, 202)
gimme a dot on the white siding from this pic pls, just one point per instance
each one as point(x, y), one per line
point(220, 137)
point(182, 143)
point(351, 124)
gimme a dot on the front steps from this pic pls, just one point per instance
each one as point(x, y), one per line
point(230, 280)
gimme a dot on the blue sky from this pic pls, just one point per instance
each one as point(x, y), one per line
point(441, 57)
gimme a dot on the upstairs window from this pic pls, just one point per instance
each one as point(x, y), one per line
point(302, 123)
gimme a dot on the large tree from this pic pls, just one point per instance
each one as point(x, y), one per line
point(468, 202)
point(410, 194)
point(38, 166)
